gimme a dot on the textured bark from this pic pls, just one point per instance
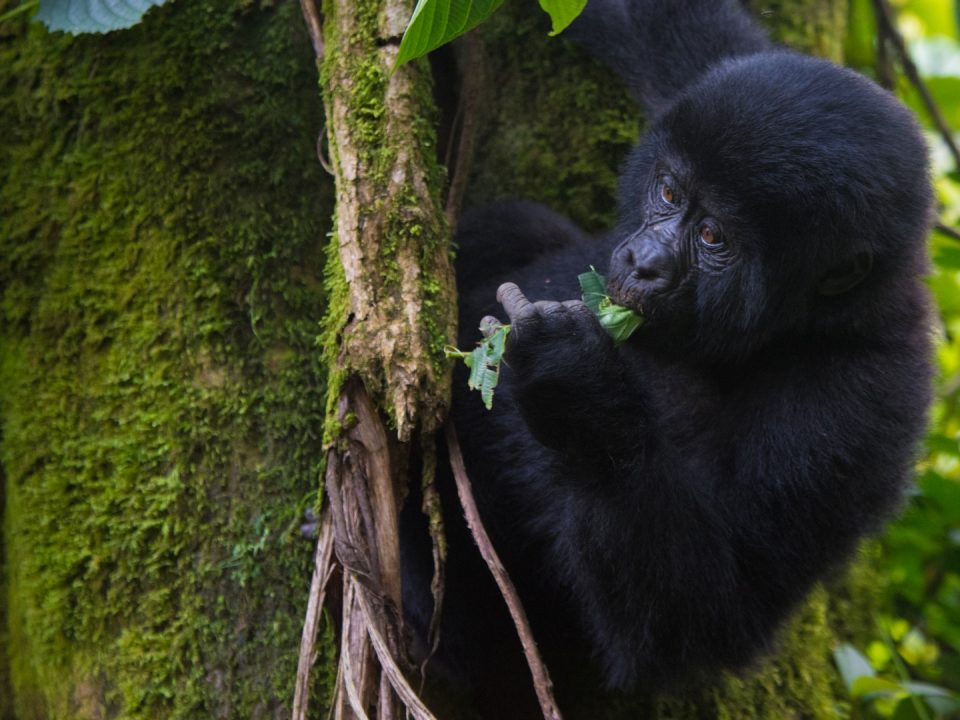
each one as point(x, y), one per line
point(393, 309)
point(391, 235)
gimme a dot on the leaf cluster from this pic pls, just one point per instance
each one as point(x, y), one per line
point(911, 667)
point(484, 360)
point(620, 322)
point(437, 22)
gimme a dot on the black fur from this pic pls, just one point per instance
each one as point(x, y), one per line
point(667, 502)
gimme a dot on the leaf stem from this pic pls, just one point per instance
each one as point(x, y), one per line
point(29, 5)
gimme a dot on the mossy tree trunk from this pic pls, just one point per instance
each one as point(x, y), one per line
point(168, 395)
point(391, 311)
point(162, 220)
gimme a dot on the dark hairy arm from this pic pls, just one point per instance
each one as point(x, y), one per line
point(657, 47)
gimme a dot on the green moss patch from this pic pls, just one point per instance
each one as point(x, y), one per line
point(161, 221)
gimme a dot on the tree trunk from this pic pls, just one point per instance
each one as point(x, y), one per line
point(165, 405)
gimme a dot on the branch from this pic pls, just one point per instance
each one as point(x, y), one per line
point(541, 677)
point(887, 26)
point(322, 570)
point(387, 664)
point(347, 683)
point(433, 510)
point(950, 232)
point(472, 86)
point(311, 14)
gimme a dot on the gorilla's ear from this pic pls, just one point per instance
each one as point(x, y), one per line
point(846, 276)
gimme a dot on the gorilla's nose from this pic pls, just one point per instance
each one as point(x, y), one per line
point(646, 262)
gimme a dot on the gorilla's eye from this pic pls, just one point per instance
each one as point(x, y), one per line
point(709, 236)
point(667, 194)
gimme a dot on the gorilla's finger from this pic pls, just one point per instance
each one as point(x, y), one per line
point(576, 306)
point(489, 325)
point(547, 307)
point(512, 299)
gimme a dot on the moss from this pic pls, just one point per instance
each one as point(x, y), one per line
point(6, 689)
point(818, 27)
point(338, 309)
point(161, 217)
point(404, 230)
point(556, 124)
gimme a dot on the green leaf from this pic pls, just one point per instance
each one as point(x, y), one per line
point(869, 687)
point(594, 288)
point(484, 360)
point(93, 16)
point(485, 363)
point(437, 22)
point(619, 321)
point(852, 664)
point(943, 701)
point(948, 257)
point(562, 12)
point(907, 710)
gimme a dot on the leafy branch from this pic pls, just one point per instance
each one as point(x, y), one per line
point(437, 22)
point(887, 29)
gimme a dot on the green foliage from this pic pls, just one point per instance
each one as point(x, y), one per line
point(618, 321)
point(484, 360)
point(562, 12)
point(93, 16)
point(160, 253)
point(901, 699)
point(437, 22)
point(910, 666)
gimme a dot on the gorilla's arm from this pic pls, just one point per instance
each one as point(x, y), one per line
point(686, 540)
point(659, 46)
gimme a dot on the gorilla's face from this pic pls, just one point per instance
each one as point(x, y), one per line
point(668, 262)
point(686, 261)
point(754, 207)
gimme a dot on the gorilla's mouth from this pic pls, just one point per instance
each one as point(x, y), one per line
point(623, 289)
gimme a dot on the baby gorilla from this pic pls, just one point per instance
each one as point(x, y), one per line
point(668, 501)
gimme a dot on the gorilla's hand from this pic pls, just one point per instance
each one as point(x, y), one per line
point(564, 367)
point(552, 340)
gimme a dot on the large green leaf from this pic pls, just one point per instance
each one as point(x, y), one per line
point(593, 286)
point(436, 22)
point(562, 12)
point(618, 321)
point(852, 664)
point(93, 16)
point(484, 360)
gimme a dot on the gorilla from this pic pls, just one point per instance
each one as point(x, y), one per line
point(663, 504)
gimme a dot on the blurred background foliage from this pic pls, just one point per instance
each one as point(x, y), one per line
point(912, 667)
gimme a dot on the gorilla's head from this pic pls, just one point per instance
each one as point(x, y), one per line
point(778, 195)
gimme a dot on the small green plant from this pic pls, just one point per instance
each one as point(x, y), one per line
point(484, 360)
point(893, 695)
